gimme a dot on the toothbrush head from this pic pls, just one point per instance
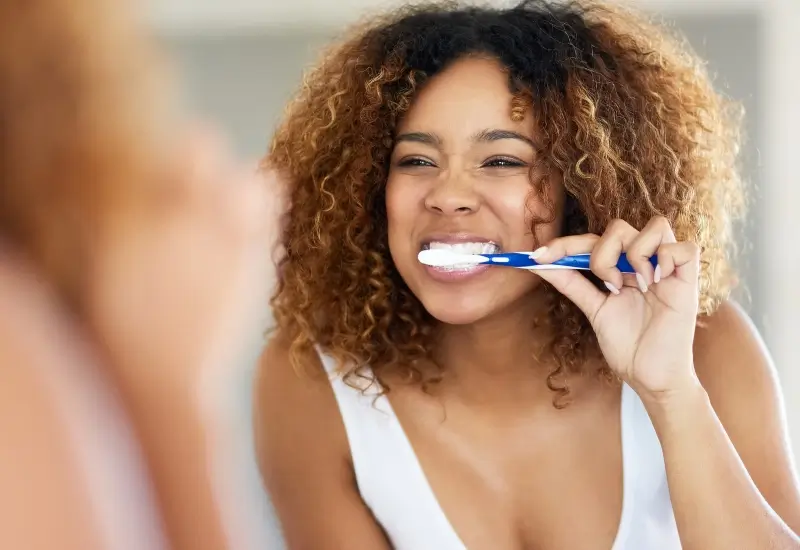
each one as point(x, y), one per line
point(442, 257)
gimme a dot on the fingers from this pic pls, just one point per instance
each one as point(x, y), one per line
point(222, 192)
point(681, 259)
point(617, 239)
point(646, 244)
point(277, 190)
point(565, 246)
point(577, 288)
point(202, 159)
point(655, 239)
point(570, 283)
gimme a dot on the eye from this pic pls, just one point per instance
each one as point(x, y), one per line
point(503, 162)
point(415, 162)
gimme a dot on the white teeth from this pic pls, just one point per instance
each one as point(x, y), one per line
point(467, 248)
point(457, 268)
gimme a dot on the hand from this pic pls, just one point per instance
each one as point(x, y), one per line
point(179, 285)
point(645, 324)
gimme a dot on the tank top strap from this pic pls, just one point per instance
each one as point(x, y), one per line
point(647, 518)
point(389, 476)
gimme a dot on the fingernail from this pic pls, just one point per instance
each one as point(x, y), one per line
point(641, 282)
point(611, 288)
point(538, 253)
point(657, 274)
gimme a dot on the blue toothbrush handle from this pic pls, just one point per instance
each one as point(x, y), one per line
point(581, 261)
point(577, 261)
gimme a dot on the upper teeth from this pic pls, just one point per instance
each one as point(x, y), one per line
point(467, 248)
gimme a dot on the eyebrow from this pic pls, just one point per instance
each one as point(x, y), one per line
point(420, 137)
point(484, 136)
point(497, 135)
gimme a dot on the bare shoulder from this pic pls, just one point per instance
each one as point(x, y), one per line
point(304, 456)
point(735, 368)
point(730, 353)
point(300, 405)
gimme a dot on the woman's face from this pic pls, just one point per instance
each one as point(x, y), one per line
point(460, 177)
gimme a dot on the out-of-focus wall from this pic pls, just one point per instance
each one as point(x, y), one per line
point(241, 60)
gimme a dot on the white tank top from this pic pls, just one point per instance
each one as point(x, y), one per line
point(394, 487)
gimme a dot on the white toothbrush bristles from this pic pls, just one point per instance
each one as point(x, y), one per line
point(442, 257)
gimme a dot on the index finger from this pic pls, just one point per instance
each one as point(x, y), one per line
point(565, 246)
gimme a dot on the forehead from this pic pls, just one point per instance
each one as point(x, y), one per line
point(472, 94)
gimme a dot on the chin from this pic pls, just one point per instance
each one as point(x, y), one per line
point(458, 311)
point(466, 296)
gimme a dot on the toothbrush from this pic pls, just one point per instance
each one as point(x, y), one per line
point(442, 257)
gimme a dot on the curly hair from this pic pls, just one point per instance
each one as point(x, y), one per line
point(81, 105)
point(629, 117)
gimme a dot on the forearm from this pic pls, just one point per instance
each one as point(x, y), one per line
point(716, 503)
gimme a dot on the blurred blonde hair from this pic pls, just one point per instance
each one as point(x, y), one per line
point(83, 118)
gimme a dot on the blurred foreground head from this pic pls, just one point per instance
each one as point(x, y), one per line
point(83, 116)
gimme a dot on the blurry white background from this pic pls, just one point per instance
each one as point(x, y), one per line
point(241, 60)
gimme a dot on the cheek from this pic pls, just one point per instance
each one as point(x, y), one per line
point(550, 210)
point(401, 211)
point(395, 210)
point(518, 206)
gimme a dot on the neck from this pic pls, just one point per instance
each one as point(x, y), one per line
point(494, 361)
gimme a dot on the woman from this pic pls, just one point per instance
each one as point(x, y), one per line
point(492, 407)
point(130, 255)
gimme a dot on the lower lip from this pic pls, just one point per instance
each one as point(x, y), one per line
point(450, 275)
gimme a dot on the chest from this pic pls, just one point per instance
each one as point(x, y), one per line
point(521, 481)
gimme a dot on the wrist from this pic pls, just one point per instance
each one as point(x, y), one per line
point(680, 389)
point(679, 404)
point(671, 382)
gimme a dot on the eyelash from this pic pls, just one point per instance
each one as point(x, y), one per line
point(416, 162)
point(507, 163)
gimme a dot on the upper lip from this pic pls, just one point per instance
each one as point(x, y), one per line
point(457, 237)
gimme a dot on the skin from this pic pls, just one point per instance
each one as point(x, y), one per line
point(465, 178)
point(61, 470)
point(199, 260)
point(173, 290)
point(132, 274)
point(509, 470)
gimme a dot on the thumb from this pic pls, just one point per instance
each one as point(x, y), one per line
point(576, 287)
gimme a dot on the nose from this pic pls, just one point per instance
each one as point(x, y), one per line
point(452, 197)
